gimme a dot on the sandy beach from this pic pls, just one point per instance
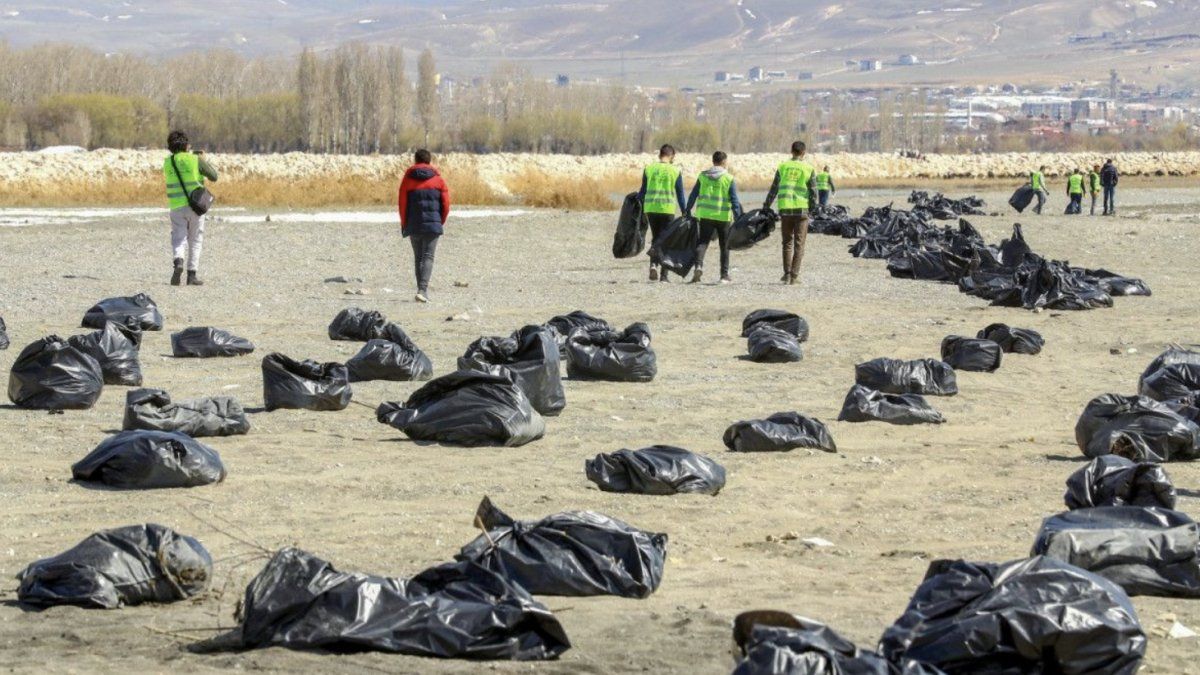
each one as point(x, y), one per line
point(359, 494)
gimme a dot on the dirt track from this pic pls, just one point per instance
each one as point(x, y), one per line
point(355, 492)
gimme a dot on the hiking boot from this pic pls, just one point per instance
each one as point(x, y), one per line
point(421, 297)
point(726, 280)
point(177, 275)
point(653, 274)
point(696, 277)
point(193, 280)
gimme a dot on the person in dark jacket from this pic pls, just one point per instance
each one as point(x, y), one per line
point(424, 205)
point(1108, 180)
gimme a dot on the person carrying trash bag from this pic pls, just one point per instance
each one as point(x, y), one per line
point(1037, 182)
point(184, 173)
point(794, 185)
point(1094, 185)
point(824, 184)
point(1075, 193)
point(662, 189)
point(715, 200)
point(424, 203)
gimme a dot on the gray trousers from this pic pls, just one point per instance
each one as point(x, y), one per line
point(187, 236)
point(424, 246)
point(1041, 200)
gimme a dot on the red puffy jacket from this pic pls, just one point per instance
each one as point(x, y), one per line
point(424, 201)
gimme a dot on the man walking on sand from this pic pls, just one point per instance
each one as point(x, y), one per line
point(184, 173)
point(716, 202)
point(662, 190)
point(825, 186)
point(794, 185)
point(1075, 192)
point(1108, 179)
point(1094, 185)
point(1037, 181)
point(424, 205)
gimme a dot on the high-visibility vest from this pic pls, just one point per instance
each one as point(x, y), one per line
point(189, 171)
point(793, 184)
point(1036, 181)
point(823, 181)
point(1075, 184)
point(661, 196)
point(713, 202)
point(1094, 179)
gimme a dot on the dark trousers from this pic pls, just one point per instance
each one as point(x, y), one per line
point(1076, 206)
point(823, 197)
point(424, 246)
point(794, 228)
point(707, 229)
point(658, 224)
point(1110, 199)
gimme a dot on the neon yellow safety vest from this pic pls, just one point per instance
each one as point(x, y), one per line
point(1036, 181)
point(189, 170)
point(713, 202)
point(793, 185)
point(661, 197)
point(1094, 178)
point(1075, 184)
point(823, 181)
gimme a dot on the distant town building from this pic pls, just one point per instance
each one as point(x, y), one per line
point(757, 74)
point(868, 65)
point(909, 60)
point(726, 76)
point(776, 74)
point(1091, 109)
point(1052, 107)
point(804, 75)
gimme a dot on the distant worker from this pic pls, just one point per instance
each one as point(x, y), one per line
point(716, 204)
point(184, 172)
point(825, 187)
point(1037, 181)
point(794, 185)
point(1094, 185)
point(662, 190)
point(1075, 192)
point(1108, 180)
point(424, 205)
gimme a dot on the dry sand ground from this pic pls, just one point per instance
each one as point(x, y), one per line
point(357, 493)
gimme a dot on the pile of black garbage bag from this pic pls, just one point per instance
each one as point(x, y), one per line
point(921, 376)
point(531, 355)
point(357, 325)
point(657, 470)
point(774, 336)
point(563, 326)
point(395, 357)
point(779, 433)
point(971, 354)
point(137, 311)
point(469, 408)
point(304, 385)
point(1139, 428)
point(205, 342)
point(145, 460)
point(603, 354)
point(941, 207)
point(1173, 375)
point(153, 410)
point(116, 348)
point(1111, 480)
point(53, 374)
point(864, 404)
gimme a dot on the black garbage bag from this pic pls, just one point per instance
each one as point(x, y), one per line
point(1117, 285)
point(1137, 428)
point(1178, 380)
point(116, 348)
point(675, 248)
point(455, 610)
point(153, 410)
point(1170, 357)
point(1021, 199)
point(3, 334)
point(51, 374)
point(786, 321)
point(356, 325)
point(867, 405)
point(1145, 550)
point(564, 325)
point(777, 643)
point(780, 432)
point(893, 376)
point(971, 354)
point(396, 358)
point(1037, 615)
point(531, 354)
point(657, 470)
point(768, 344)
point(468, 408)
point(1055, 285)
point(125, 566)
point(572, 553)
point(1013, 340)
point(204, 342)
point(305, 385)
point(599, 354)
point(1110, 480)
point(753, 227)
point(144, 460)
point(630, 237)
point(909, 262)
point(137, 311)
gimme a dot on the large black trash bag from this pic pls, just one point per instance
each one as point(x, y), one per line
point(599, 354)
point(121, 567)
point(571, 553)
point(51, 374)
point(863, 404)
point(1137, 428)
point(1117, 285)
point(1178, 380)
point(356, 325)
point(305, 385)
point(1145, 550)
point(153, 410)
point(469, 408)
point(630, 237)
point(456, 610)
point(657, 470)
point(137, 311)
point(916, 263)
point(1170, 357)
point(531, 355)
point(777, 643)
point(753, 227)
point(971, 354)
point(1014, 340)
point(205, 342)
point(396, 358)
point(1021, 198)
point(768, 344)
point(1110, 480)
point(116, 348)
point(564, 325)
point(893, 376)
point(675, 248)
point(3, 334)
point(1055, 285)
point(779, 433)
point(787, 321)
point(1037, 615)
point(144, 460)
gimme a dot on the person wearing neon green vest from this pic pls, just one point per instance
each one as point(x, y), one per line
point(824, 184)
point(716, 204)
point(1037, 181)
point(662, 190)
point(1075, 192)
point(1094, 185)
point(794, 185)
point(183, 172)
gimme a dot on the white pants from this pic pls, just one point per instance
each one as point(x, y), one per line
point(187, 236)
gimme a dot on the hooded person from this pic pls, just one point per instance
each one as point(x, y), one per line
point(424, 205)
point(661, 191)
point(715, 200)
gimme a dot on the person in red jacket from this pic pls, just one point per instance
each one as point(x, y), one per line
point(424, 205)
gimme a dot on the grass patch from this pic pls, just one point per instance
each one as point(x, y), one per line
point(538, 189)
